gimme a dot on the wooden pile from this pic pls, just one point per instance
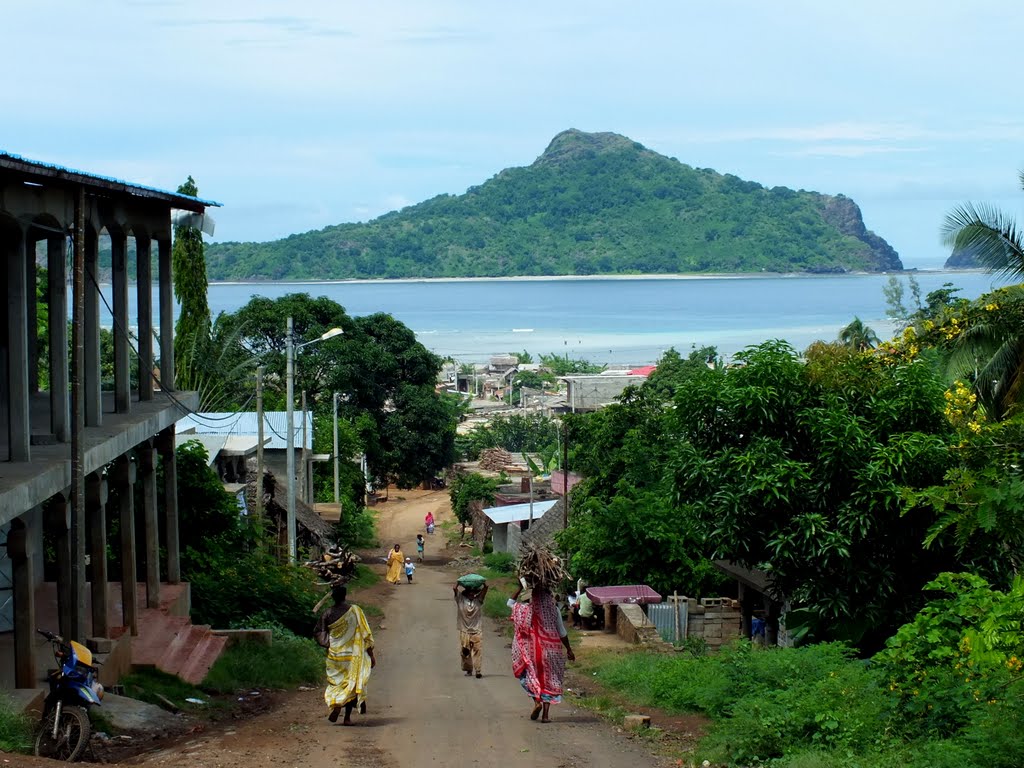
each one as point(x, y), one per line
point(335, 566)
point(539, 567)
point(497, 460)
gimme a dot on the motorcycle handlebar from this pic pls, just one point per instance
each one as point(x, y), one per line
point(48, 635)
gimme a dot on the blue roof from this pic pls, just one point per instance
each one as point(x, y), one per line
point(128, 186)
point(245, 423)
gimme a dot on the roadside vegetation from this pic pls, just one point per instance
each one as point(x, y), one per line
point(290, 661)
point(15, 727)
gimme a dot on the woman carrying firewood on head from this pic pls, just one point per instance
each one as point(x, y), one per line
point(541, 644)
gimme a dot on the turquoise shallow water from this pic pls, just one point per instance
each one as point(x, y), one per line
point(613, 320)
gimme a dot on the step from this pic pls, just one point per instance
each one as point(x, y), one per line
point(158, 630)
point(177, 653)
point(204, 657)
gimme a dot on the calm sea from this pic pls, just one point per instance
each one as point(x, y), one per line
point(618, 320)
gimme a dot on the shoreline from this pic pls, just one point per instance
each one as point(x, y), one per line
point(595, 278)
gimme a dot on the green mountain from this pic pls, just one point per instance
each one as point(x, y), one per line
point(593, 203)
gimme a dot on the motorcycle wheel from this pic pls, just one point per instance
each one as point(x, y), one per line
point(72, 735)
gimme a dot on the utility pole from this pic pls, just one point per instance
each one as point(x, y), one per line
point(302, 453)
point(290, 429)
point(565, 473)
point(259, 442)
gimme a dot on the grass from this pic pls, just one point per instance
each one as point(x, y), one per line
point(365, 577)
point(290, 662)
point(15, 728)
point(155, 687)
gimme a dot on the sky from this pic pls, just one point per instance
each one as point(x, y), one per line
point(300, 115)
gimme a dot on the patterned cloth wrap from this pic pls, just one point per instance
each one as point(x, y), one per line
point(538, 657)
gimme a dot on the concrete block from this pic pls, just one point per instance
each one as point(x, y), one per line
point(636, 722)
point(99, 644)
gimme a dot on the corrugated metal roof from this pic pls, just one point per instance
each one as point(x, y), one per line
point(26, 165)
point(515, 513)
point(245, 423)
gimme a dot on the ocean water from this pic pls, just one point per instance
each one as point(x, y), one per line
point(611, 320)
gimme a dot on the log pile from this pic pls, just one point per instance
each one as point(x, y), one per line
point(335, 566)
point(539, 567)
point(498, 460)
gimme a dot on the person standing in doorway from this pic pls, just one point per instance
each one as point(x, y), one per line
point(469, 604)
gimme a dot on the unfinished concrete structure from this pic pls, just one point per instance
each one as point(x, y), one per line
point(66, 445)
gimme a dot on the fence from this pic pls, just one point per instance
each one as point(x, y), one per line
point(663, 616)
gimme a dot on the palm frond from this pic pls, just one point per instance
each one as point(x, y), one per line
point(987, 234)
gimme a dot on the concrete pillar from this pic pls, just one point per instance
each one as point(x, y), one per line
point(96, 503)
point(57, 297)
point(121, 327)
point(144, 281)
point(746, 597)
point(58, 522)
point(169, 459)
point(166, 289)
point(19, 429)
point(93, 364)
point(19, 549)
point(33, 314)
point(151, 552)
point(609, 619)
point(123, 478)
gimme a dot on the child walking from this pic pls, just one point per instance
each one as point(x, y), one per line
point(419, 546)
point(410, 566)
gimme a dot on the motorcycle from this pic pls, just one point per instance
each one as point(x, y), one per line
point(65, 726)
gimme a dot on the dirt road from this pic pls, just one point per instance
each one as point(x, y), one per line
point(422, 710)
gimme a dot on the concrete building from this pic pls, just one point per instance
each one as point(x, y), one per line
point(591, 392)
point(65, 444)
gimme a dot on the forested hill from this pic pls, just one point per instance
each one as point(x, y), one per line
point(593, 203)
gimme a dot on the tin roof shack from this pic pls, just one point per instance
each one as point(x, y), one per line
point(245, 426)
point(510, 523)
point(591, 392)
point(762, 612)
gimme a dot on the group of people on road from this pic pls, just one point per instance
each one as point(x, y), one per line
point(540, 646)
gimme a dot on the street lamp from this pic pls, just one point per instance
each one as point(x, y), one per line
point(337, 490)
point(290, 349)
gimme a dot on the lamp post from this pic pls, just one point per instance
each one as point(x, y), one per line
point(337, 490)
point(290, 349)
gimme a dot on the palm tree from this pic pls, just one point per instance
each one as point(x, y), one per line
point(990, 350)
point(987, 234)
point(858, 336)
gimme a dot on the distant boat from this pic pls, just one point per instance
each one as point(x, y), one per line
point(522, 330)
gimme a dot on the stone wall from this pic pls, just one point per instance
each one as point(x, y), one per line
point(717, 620)
point(633, 626)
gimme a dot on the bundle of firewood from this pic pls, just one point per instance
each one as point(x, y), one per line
point(539, 567)
point(335, 566)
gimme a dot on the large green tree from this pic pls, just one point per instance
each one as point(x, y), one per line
point(385, 377)
point(800, 469)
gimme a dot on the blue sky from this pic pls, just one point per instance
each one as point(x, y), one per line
point(304, 114)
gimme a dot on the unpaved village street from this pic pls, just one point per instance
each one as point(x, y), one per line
point(423, 712)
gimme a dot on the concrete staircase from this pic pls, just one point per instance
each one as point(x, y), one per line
point(174, 645)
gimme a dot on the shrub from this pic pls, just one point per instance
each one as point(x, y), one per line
point(290, 661)
point(255, 584)
point(502, 562)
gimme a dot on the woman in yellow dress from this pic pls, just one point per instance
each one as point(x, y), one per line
point(395, 562)
point(349, 656)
